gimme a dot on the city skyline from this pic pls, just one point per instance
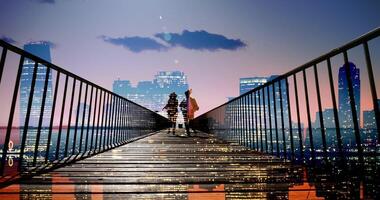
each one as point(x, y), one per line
point(102, 47)
point(200, 99)
point(154, 94)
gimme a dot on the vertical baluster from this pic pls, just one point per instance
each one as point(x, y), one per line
point(100, 120)
point(275, 118)
point(260, 122)
point(336, 118)
point(308, 115)
point(42, 109)
point(2, 62)
point(61, 118)
point(103, 118)
point(322, 126)
point(270, 119)
point(298, 115)
point(373, 89)
point(11, 115)
point(282, 118)
point(256, 123)
point(69, 122)
point(89, 119)
point(290, 119)
point(83, 118)
point(93, 119)
point(354, 112)
point(28, 111)
point(265, 119)
point(52, 117)
point(106, 122)
point(77, 117)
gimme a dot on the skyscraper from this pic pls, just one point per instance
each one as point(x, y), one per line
point(328, 119)
point(345, 112)
point(249, 83)
point(42, 50)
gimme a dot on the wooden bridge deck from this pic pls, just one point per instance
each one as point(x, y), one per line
point(164, 166)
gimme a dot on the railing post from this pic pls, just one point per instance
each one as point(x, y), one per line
point(89, 119)
point(77, 117)
point(308, 115)
point(298, 115)
point(42, 109)
point(69, 122)
point(260, 122)
point(335, 109)
point(256, 123)
point(282, 117)
point(61, 119)
point(83, 120)
point(2, 62)
point(27, 117)
point(373, 89)
point(275, 118)
point(353, 106)
point(52, 117)
point(94, 119)
point(11, 115)
point(322, 126)
point(270, 120)
point(290, 119)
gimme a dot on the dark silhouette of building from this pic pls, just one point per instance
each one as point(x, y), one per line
point(369, 120)
point(345, 112)
point(328, 119)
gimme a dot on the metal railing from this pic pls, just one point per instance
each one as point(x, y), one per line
point(270, 117)
point(73, 117)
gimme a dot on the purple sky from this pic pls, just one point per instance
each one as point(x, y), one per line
point(241, 38)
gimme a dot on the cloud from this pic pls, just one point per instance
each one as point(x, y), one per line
point(51, 44)
point(135, 44)
point(45, 1)
point(201, 40)
point(8, 39)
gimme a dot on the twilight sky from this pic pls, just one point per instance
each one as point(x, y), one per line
point(215, 42)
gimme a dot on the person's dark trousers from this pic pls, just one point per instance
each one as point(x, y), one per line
point(191, 125)
point(187, 127)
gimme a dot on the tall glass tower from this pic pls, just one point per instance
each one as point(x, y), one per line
point(345, 113)
point(42, 50)
point(249, 83)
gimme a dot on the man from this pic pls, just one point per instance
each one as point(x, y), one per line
point(188, 107)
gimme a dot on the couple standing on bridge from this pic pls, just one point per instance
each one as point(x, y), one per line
point(188, 107)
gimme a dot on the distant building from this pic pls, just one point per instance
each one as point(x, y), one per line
point(154, 94)
point(40, 49)
point(369, 120)
point(249, 83)
point(345, 112)
point(230, 98)
point(121, 87)
point(328, 119)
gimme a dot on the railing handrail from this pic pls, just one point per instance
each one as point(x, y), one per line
point(361, 39)
point(61, 70)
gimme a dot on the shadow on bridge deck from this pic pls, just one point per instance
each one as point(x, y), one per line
point(164, 166)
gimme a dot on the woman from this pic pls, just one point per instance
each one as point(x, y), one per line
point(188, 107)
point(171, 109)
